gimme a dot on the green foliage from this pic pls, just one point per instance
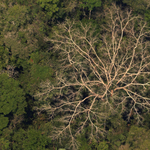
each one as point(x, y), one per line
point(30, 140)
point(3, 121)
point(138, 5)
point(49, 6)
point(146, 122)
point(21, 36)
point(4, 144)
point(94, 26)
point(24, 2)
point(147, 16)
point(103, 146)
point(35, 70)
point(4, 57)
point(90, 4)
point(41, 72)
point(12, 99)
point(35, 58)
point(138, 138)
point(39, 69)
point(116, 140)
point(16, 17)
point(85, 145)
point(117, 133)
point(6, 136)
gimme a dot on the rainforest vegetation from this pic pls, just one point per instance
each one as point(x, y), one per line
point(74, 74)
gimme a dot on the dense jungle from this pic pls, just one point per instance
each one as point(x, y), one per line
point(74, 74)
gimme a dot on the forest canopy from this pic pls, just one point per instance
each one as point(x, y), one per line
point(74, 74)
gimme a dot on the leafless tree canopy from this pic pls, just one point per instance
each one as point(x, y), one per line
point(100, 73)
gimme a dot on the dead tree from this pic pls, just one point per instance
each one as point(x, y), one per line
point(113, 67)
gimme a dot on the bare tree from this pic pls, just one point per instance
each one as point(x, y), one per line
point(100, 74)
